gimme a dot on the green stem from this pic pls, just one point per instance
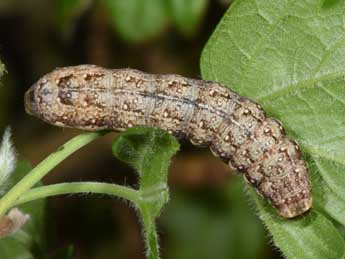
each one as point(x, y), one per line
point(44, 167)
point(80, 187)
point(151, 237)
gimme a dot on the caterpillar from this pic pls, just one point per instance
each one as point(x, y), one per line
point(207, 113)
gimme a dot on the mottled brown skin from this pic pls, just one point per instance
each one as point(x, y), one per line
point(235, 128)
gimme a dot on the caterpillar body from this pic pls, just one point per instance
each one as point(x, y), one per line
point(235, 128)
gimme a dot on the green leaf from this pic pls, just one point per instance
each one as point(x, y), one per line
point(324, 199)
point(30, 237)
point(137, 20)
point(187, 14)
point(329, 3)
point(290, 57)
point(312, 236)
point(148, 151)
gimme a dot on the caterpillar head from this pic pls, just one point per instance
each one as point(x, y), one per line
point(69, 97)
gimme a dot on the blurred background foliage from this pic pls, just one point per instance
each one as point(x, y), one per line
point(209, 215)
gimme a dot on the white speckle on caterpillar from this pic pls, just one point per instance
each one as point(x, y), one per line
point(235, 128)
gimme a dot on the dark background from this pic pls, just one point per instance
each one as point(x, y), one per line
point(209, 214)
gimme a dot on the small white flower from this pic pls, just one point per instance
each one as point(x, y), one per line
point(7, 158)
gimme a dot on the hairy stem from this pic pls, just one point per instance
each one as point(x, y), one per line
point(151, 237)
point(36, 174)
point(80, 187)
